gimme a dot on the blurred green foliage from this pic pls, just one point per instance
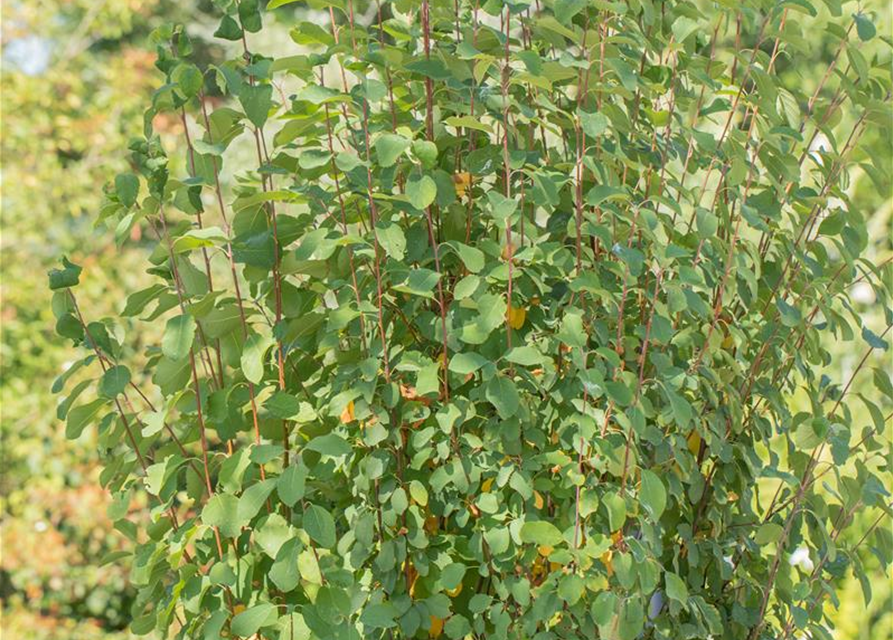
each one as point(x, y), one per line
point(76, 77)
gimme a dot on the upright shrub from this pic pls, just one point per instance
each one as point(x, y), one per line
point(519, 325)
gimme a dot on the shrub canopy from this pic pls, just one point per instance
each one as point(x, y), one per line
point(500, 333)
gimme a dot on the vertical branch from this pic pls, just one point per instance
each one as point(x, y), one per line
point(507, 175)
point(232, 266)
point(267, 185)
point(373, 215)
point(432, 235)
point(344, 230)
point(165, 237)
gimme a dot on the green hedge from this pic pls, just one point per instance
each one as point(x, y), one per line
point(502, 332)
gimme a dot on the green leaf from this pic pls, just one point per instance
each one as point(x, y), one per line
point(541, 533)
point(389, 147)
point(200, 238)
point(501, 207)
point(284, 573)
point(683, 27)
point(619, 392)
point(229, 29)
point(275, 4)
point(594, 124)
point(420, 282)
point(320, 526)
point(347, 161)
point(249, 16)
point(316, 94)
point(379, 616)
point(314, 158)
point(810, 433)
point(330, 444)
point(421, 192)
point(138, 301)
point(253, 355)
point(63, 407)
point(418, 492)
point(653, 494)
point(864, 27)
point(67, 276)
point(291, 483)
point(676, 589)
point(768, 532)
point(874, 340)
point(252, 500)
point(466, 363)
point(472, 258)
point(525, 356)
point(451, 576)
point(392, 240)
point(426, 152)
point(468, 122)
point(309, 567)
point(682, 411)
point(189, 79)
point(256, 100)
point(572, 332)
point(178, 336)
point(114, 381)
point(565, 10)
point(571, 588)
point(127, 188)
point(272, 533)
point(221, 511)
point(81, 416)
point(790, 316)
point(254, 618)
point(502, 394)
point(616, 508)
point(603, 607)
point(602, 193)
point(283, 405)
point(708, 223)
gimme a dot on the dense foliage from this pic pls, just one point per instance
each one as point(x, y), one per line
point(500, 333)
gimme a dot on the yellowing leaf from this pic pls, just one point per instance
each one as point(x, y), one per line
point(412, 575)
point(607, 560)
point(545, 550)
point(516, 317)
point(461, 181)
point(347, 415)
point(694, 442)
point(486, 484)
point(454, 592)
point(436, 627)
point(538, 500)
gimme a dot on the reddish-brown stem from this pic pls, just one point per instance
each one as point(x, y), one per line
point(232, 266)
point(267, 186)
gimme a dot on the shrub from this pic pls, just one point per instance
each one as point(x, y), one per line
point(516, 327)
